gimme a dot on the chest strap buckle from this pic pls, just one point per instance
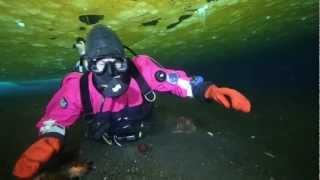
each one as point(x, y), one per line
point(150, 96)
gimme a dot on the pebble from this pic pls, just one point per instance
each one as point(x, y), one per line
point(269, 154)
point(161, 174)
point(210, 133)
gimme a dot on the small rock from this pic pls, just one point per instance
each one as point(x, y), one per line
point(269, 154)
point(143, 148)
point(161, 174)
point(184, 125)
point(210, 133)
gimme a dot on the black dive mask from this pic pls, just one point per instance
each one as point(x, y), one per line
point(111, 76)
point(106, 59)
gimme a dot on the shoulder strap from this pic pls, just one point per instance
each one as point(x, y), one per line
point(147, 92)
point(85, 96)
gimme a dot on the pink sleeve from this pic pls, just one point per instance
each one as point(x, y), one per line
point(176, 81)
point(65, 106)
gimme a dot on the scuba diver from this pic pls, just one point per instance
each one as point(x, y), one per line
point(115, 94)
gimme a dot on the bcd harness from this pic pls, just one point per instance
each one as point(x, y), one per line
point(125, 125)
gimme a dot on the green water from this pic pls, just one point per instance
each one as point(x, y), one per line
point(278, 140)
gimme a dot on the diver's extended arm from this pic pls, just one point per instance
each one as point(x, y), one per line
point(178, 83)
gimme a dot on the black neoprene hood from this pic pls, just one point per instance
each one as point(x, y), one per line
point(103, 42)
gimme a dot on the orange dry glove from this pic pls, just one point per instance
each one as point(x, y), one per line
point(228, 98)
point(37, 154)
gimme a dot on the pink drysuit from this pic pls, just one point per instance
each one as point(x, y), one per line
point(65, 107)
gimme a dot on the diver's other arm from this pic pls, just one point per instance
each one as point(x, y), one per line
point(41, 151)
point(36, 155)
point(62, 111)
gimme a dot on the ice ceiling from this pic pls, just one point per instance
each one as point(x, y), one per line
point(36, 36)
